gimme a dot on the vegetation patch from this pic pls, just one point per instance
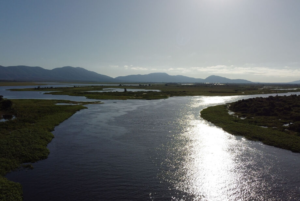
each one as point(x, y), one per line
point(252, 120)
point(24, 139)
point(165, 90)
point(278, 112)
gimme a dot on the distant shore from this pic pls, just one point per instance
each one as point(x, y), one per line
point(163, 91)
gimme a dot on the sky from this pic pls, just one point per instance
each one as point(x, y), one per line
point(257, 40)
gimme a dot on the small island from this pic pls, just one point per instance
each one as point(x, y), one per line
point(274, 120)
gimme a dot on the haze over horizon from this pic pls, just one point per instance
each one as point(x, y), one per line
point(238, 39)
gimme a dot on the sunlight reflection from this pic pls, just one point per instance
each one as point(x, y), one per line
point(210, 171)
point(203, 162)
point(213, 100)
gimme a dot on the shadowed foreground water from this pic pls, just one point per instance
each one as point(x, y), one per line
point(157, 150)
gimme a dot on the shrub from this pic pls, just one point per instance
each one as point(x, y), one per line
point(6, 104)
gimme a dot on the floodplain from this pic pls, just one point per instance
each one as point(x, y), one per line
point(165, 90)
point(170, 143)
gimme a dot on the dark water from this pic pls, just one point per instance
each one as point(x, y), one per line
point(157, 150)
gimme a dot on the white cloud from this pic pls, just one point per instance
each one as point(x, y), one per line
point(177, 70)
point(139, 68)
point(259, 71)
point(250, 72)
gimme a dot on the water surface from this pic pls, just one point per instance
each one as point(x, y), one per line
point(157, 150)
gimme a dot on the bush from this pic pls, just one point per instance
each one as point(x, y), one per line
point(7, 116)
point(6, 104)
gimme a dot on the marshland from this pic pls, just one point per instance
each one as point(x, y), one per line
point(150, 147)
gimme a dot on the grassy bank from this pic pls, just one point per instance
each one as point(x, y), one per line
point(166, 90)
point(24, 139)
point(250, 128)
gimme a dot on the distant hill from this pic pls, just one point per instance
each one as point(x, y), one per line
point(157, 77)
point(164, 77)
point(219, 79)
point(67, 73)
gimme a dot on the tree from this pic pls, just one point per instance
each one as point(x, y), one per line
point(6, 104)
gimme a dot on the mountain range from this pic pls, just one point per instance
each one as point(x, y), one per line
point(164, 77)
point(296, 82)
point(68, 73)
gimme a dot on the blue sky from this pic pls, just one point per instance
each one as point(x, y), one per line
point(256, 40)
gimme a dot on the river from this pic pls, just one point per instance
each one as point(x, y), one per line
point(155, 150)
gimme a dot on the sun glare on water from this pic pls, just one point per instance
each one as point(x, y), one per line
point(206, 163)
point(210, 171)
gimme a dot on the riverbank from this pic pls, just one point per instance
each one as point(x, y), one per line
point(24, 139)
point(112, 149)
point(235, 125)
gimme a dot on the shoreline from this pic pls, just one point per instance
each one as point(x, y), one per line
point(164, 91)
point(218, 115)
point(24, 140)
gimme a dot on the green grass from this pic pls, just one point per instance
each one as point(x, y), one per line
point(219, 116)
point(280, 112)
point(25, 139)
point(165, 91)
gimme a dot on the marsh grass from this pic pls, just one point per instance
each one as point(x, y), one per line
point(219, 116)
point(280, 112)
point(25, 139)
point(166, 90)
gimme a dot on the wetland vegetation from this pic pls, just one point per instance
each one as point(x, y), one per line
point(165, 90)
point(274, 120)
point(24, 139)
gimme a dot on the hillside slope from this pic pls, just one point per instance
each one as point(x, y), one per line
point(26, 73)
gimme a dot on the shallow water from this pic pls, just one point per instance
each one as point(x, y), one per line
point(6, 93)
point(157, 150)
